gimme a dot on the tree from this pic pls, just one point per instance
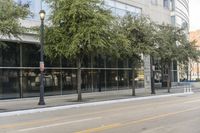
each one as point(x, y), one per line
point(79, 28)
point(140, 33)
point(10, 14)
point(173, 45)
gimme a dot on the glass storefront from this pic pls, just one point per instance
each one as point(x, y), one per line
point(10, 83)
point(10, 56)
point(30, 82)
point(20, 74)
point(69, 81)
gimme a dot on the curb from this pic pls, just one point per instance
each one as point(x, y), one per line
point(48, 109)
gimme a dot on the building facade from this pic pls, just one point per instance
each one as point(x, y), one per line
point(194, 67)
point(19, 62)
point(179, 18)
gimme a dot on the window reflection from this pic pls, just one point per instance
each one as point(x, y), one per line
point(52, 82)
point(166, 4)
point(9, 56)
point(123, 79)
point(69, 81)
point(112, 80)
point(99, 73)
point(9, 84)
point(120, 9)
point(31, 83)
point(30, 55)
point(35, 6)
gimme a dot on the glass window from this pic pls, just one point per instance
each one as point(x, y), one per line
point(68, 62)
point(32, 6)
point(120, 6)
point(120, 9)
point(123, 63)
point(10, 55)
point(138, 11)
point(166, 4)
point(111, 79)
point(9, 84)
point(120, 12)
point(139, 79)
point(172, 5)
point(30, 55)
point(130, 8)
point(109, 2)
point(87, 80)
point(69, 81)
point(35, 7)
point(173, 20)
point(32, 50)
point(111, 62)
point(52, 82)
point(31, 82)
point(98, 62)
point(51, 62)
point(123, 79)
point(86, 61)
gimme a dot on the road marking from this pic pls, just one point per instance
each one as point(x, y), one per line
point(160, 116)
point(194, 101)
point(97, 129)
point(31, 123)
point(58, 124)
point(100, 128)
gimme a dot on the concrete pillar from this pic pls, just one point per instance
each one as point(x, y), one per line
point(147, 73)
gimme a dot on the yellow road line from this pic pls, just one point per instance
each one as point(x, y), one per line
point(194, 101)
point(46, 121)
point(92, 130)
point(160, 116)
point(100, 128)
point(58, 124)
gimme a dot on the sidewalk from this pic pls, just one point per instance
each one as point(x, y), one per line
point(53, 101)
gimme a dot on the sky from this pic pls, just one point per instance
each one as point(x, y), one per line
point(194, 7)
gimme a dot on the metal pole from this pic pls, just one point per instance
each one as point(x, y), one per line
point(41, 101)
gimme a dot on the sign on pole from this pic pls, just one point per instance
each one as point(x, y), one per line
point(41, 66)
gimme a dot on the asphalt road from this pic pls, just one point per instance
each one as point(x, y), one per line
point(178, 114)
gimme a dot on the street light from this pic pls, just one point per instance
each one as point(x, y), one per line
point(42, 16)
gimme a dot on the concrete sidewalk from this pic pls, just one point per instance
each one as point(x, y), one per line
point(53, 101)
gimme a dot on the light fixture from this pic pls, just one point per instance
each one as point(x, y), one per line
point(42, 14)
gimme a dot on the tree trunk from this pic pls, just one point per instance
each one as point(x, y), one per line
point(99, 80)
point(152, 75)
point(162, 73)
point(169, 77)
point(79, 81)
point(133, 81)
point(99, 74)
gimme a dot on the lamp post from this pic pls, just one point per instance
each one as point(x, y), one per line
point(42, 16)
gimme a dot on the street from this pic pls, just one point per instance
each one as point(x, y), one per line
point(177, 114)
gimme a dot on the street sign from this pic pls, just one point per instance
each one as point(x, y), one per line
point(41, 66)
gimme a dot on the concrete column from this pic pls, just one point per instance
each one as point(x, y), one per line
point(147, 73)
